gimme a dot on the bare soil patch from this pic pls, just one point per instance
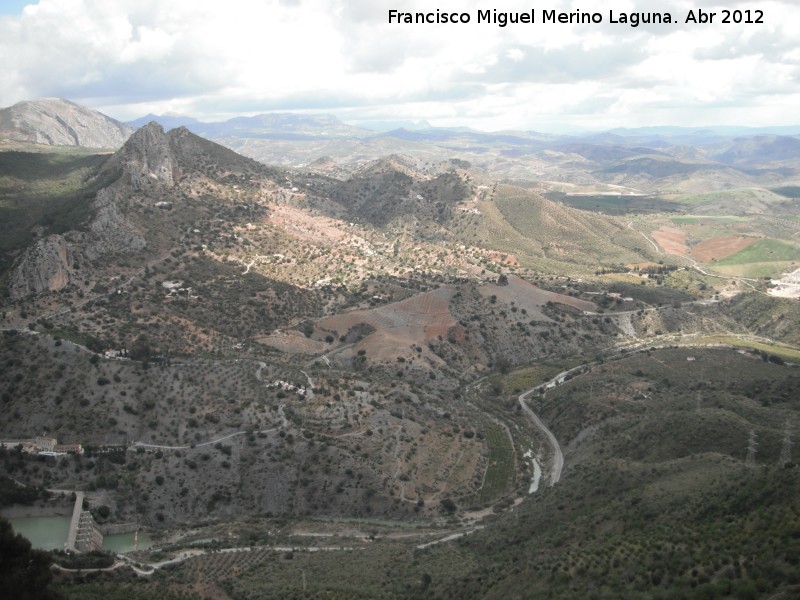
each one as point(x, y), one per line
point(720, 247)
point(530, 297)
point(399, 325)
point(292, 342)
point(672, 240)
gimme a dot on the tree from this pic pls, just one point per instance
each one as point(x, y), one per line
point(24, 573)
point(448, 506)
point(140, 349)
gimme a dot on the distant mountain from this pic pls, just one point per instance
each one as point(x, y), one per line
point(390, 125)
point(762, 149)
point(58, 122)
point(269, 126)
point(668, 136)
point(167, 121)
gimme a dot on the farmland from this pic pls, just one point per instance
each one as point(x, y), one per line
point(762, 251)
point(499, 476)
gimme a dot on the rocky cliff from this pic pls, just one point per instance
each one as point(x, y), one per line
point(58, 122)
point(51, 264)
point(46, 266)
point(147, 170)
point(147, 158)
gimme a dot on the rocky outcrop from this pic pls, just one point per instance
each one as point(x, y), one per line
point(50, 264)
point(58, 122)
point(148, 165)
point(147, 158)
point(47, 266)
point(110, 232)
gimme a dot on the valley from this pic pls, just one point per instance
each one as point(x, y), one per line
point(454, 365)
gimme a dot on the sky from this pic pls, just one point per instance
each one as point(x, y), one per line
point(214, 60)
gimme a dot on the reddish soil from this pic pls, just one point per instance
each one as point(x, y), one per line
point(531, 298)
point(720, 247)
point(414, 320)
point(672, 240)
point(506, 259)
point(417, 320)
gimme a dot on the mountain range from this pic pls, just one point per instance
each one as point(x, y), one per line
point(473, 366)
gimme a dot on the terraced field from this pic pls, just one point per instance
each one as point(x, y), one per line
point(500, 469)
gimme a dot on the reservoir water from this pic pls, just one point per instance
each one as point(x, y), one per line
point(50, 533)
point(45, 533)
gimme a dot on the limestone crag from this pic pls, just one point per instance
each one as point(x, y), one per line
point(46, 266)
point(110, 232)
point(147, 158)
point(50, 264)
point(58, 122)
point(147, 168)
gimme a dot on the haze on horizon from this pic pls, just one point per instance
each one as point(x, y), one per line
point(213, 61)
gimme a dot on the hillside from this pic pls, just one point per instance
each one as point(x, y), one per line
point(457, 385)
point(660, 498)
point(666, 162)
point(58, 122)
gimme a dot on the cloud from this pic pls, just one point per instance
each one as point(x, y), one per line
point(214, 59)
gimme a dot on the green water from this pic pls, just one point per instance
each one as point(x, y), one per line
point(123, 542)
point(50, 533)
point(45, 533)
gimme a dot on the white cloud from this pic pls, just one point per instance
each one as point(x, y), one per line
point(215, 59)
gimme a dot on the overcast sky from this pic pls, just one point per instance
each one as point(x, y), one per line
point(214, 59)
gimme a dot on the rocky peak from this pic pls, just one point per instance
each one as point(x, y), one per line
point(58, 122)
point(147, 158)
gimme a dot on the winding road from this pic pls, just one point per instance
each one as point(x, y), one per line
point(216, 441)
point(558, 458)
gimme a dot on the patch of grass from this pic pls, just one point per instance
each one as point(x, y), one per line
point(766, 250)
point(784, 352)
point(524, 379)
point(713, 218)
point(743, 196)
point(765, 269)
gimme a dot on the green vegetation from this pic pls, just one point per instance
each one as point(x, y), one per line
point(110, 588)
point(679, 479)
point(776, 318)
point(789, 191)
point(785, 353)
point(522, 223)
point(52, 190)
point(13, 493)
point(765, 250)
point(523, 379)
point(658, 502)
point(710, 218)
point(615, 204)
point(742, 197)
point(24, 573)
point(499, 475)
